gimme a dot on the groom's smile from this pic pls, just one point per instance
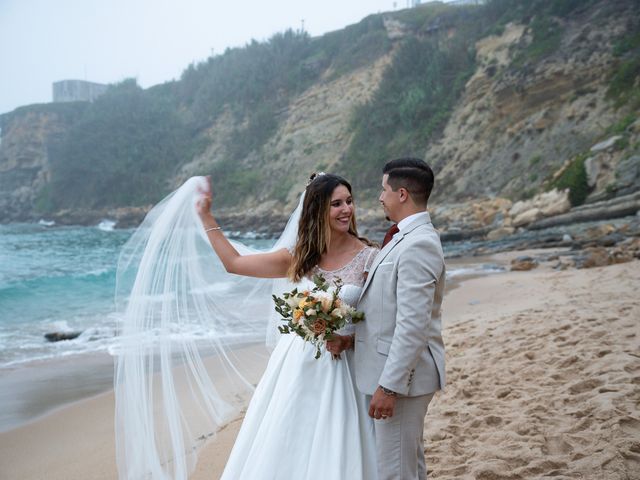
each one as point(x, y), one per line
point(388, 199)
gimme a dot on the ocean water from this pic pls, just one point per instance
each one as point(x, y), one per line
point(62, 279)
point(59, 279)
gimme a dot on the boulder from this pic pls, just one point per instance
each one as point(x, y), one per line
point(545, 204)
point(593, 170)
point(621, 256)
point(527, 217)
point(59, 336)
point(523, 263)
point(554, 202)
point(520, 207)
point(599, 231)
point(610, 240)
point(627, 172)
point(606, 144)
point(499, 233)
point(594, 257)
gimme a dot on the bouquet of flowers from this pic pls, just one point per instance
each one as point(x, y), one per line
point(315, 314)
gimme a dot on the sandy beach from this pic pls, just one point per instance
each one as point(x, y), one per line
point(543, 381)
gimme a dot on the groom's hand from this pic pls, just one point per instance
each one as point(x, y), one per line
point(382, 405)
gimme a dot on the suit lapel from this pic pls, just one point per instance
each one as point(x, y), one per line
point(382, 254)
point(380, 257)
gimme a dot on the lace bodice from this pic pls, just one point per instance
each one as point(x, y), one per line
point(352, 274)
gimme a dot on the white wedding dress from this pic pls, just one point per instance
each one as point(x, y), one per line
point(307, 420)
point(179, 378)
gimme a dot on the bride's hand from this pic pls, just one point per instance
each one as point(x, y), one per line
point(203, 205)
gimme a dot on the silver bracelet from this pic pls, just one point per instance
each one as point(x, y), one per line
point(207, 230)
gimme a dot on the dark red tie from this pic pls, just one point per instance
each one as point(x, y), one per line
point(390, 233)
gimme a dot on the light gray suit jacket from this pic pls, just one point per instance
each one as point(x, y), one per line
point(399, 344)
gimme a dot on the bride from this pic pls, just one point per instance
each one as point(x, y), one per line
point(306, 418)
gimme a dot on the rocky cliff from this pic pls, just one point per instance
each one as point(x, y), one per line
point(514, 127)
point(24, 161)
point(553, 96)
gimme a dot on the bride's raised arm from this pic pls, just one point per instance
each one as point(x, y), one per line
point(263, 265)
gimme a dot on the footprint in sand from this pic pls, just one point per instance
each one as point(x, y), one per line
point(456, 472)
point(585, 386)
point(502, 393)
point(569, 361)
point(556, 446)
point(608, 390)
point(582, 413)
point(570, 343)
point(598, 334)
point(632, 368)
point(632, 462)
point(543, 467)
point(631, 426)
point(582, 425)
point(493, 420)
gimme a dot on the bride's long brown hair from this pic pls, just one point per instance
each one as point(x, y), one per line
point(314, 231)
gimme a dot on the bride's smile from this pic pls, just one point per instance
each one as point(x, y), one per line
point(342, 208)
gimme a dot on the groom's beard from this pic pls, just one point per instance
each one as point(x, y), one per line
point(387, 217)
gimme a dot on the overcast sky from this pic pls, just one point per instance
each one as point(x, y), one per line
point(106, 41)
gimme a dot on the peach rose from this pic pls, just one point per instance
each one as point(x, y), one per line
point(319, 326)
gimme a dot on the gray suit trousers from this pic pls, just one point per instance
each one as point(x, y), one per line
point(399, 445)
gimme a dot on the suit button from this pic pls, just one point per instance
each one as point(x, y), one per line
point(411, 373)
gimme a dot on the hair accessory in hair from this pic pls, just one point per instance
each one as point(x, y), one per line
point(314, 176)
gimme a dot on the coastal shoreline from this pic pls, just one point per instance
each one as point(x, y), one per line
point(32, 390)
point(507, 336)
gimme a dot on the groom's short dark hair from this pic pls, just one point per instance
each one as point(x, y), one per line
point(412, 174)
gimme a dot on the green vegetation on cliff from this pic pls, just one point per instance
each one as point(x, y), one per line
point(120, 152)
point(574, 177)
point(624, 87)
point(417, 94)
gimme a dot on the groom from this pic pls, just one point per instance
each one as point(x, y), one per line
point(399, 353)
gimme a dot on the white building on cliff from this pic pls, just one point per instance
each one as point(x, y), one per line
point(77, 91)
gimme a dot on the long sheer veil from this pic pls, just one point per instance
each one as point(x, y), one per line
point(186, 355)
